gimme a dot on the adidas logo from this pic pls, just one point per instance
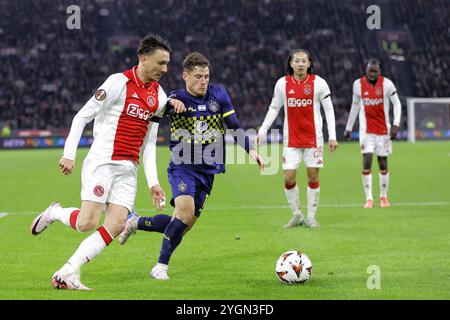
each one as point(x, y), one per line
point(366, 93)
point(292, 91)
point(135, 96)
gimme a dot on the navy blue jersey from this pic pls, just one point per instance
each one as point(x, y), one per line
point(197, 135)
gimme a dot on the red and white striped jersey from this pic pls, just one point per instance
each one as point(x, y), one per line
point(303, 120)
point(372, 102)
point(123, 108)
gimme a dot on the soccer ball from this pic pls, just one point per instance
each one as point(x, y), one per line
point(293, 267)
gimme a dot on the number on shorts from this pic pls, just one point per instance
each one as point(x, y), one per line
point(318, 152)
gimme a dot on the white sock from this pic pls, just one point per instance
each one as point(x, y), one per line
point(367, 184)
point(91, 247)
point(384, 183)
point(313, 195)
point(293, 200)
point(64, 214)
point(163, 266)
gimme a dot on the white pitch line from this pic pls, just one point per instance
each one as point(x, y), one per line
point(3, 214)
point(270, 207)
point(349, 205)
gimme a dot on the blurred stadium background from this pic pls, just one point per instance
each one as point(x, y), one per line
point(48, 71)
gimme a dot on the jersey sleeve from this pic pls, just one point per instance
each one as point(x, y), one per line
point(279, 96)
point(162, 105)
point(327, 105)
point(227, 107)
point(396, 104)
point(106, 95)
point(355, 105)
point(324, 90)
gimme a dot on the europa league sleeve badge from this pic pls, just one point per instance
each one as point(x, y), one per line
point(100, 95)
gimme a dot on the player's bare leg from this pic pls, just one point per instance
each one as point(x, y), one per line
point(313, 196)
point(68, 277)
point(82, 220)
point(292, 195)
point(384, 181)
point(183, 220)
point(367, 179)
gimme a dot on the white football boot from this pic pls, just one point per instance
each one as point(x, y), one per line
point(312, 223)
point(43, 220)
point(130, 228)
point(68, 278)
point(159, 272)
point(296, 220)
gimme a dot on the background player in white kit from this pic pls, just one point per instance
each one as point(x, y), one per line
point(126, 109)
point(301, 93)
point(371, 96)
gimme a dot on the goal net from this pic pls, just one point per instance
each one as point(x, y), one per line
point(428, 119)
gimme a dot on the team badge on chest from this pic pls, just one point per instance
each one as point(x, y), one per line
point(213, 105)
point(307, 91)
point(151, 101)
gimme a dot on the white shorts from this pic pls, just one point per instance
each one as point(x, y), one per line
point(292, 157)
point(381, 145)
point(107, 181)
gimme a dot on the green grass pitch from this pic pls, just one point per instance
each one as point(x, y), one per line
point(231, 251)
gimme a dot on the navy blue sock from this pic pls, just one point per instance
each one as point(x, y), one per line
point(172, 238)
point(156, 223)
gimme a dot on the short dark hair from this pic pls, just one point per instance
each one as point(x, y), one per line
point(195, 59)
point(291, 56)
point(373, 61)
point(153, 42)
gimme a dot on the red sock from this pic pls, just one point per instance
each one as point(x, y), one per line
point(289, 186)
point(73, 219)
point(313, 185)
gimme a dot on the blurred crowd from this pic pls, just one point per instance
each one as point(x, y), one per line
point(49, 72)
point(429, 27)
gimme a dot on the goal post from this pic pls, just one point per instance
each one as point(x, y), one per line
point(428, 118)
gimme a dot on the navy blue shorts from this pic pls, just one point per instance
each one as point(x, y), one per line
point(190, 183)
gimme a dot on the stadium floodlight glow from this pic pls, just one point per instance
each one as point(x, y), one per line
point(428, 118)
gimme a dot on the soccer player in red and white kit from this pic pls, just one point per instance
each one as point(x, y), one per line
point(126, 109)
point(301, 93)
point(371, 96)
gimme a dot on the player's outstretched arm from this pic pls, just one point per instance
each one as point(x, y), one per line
point(103, 98)
point(243, 140)
point(176, 105)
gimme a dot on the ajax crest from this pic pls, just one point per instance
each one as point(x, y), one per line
point(151, 101)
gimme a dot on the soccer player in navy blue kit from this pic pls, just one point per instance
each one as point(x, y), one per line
point(198, 153)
